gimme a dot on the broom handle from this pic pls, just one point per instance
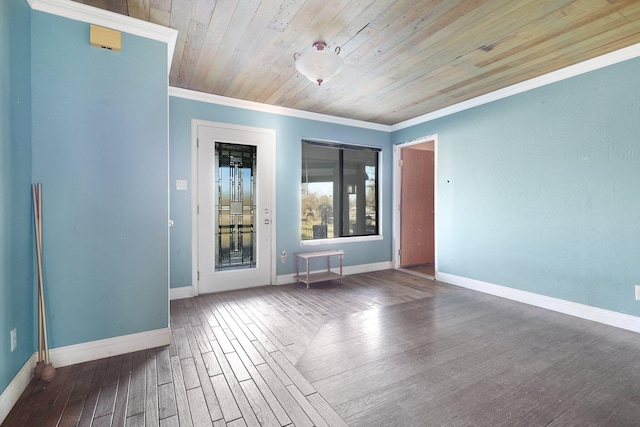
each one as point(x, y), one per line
point(37, 229)
point(44, 313)
point(40, 278)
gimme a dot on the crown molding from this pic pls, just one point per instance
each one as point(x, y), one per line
point(605, 60)
point(93, 15)
point(273, 109)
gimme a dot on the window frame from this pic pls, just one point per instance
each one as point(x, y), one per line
point(379, 179)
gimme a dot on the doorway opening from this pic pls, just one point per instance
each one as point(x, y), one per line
point(415, 166)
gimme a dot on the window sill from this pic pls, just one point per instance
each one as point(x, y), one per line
point(340, 240)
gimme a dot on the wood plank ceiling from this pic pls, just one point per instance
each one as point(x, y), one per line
point(402, 58)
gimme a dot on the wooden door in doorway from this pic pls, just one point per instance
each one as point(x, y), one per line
point(417, 243)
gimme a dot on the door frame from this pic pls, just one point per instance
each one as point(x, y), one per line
point(397, 176)
point(271, 134)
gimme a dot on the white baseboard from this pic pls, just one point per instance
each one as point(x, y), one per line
point(182, 292)
point(10, 395)
point(600, 315)
point(79, 353)
point(286, 279)
point(367, 268)
point(94, 350)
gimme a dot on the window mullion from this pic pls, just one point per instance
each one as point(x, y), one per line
point(341, 193)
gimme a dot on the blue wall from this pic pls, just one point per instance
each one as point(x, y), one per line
point(289, 132)
point(100, 149)
point(17, 289)
point(541, 191)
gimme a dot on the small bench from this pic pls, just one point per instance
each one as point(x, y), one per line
point(322, 276)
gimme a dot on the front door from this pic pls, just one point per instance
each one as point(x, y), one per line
point(234, 234)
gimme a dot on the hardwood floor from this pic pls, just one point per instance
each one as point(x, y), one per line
point(384, 348)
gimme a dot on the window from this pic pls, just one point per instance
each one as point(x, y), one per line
point(339, 190)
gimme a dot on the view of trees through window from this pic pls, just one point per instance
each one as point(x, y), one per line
point(317, 210)
point(339, 191)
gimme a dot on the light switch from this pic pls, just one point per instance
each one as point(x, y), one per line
point(181, 184)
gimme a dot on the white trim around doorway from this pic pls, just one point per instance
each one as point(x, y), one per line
point(397, 201)
point(195, 288)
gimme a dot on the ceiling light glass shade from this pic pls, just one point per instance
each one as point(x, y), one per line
point(318, 64)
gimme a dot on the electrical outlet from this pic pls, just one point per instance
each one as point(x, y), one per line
point(14, 339)
point(637, 292)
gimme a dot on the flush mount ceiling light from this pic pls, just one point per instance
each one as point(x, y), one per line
point(318, 64)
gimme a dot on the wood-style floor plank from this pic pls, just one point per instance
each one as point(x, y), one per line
point(248, 414)
point(38, 416)
point(135, 402)
point(71, 413)
point(296, 377)
point(307, 407)
point(170, 422)
point(290, 406)
point(62, 398)
point(189, 373)
point(383, 348)
point(88, 410)
point(166, 401)
point(135, 421)
point(106, 400)
point(182, 402)
point(261, 408)
point(122, 394)
point(268, 395)
point(151, 417)
point(49, 395)
point(228, 404)
point(199, 412)
point(163, 365)
point(207, 389)
point(211, 363)
point(325, 410)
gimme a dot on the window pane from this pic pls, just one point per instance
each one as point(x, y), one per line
point(360, 192)
point(339, 191)
point(320, 171)
point(372, 199)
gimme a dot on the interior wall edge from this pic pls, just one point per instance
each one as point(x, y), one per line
point(182, 292)
point(115, 21)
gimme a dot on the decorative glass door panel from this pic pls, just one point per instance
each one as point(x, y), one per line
point(235, 178)
point(235, 206)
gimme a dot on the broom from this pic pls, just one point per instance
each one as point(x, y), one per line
point(44, 369)
point(37, 371)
